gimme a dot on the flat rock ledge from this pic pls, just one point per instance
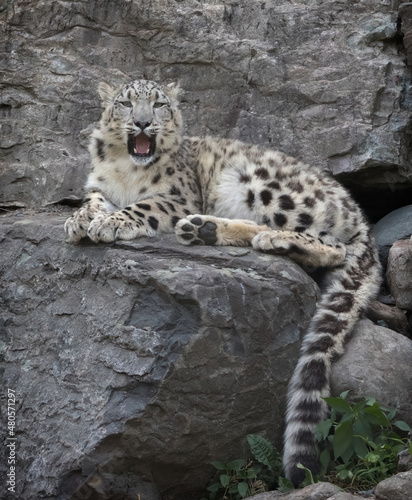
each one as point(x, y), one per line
point(137, 364)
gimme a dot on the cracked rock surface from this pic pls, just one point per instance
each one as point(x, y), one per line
point(324, 81)
point(137, 364)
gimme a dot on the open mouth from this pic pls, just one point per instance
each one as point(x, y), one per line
point(141, 146)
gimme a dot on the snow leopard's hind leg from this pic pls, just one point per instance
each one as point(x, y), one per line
point(303, 248)
point(351, 286)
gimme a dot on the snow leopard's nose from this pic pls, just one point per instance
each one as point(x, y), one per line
point(142, 125)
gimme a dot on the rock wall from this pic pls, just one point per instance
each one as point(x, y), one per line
point(324, 81)
point(110, 395)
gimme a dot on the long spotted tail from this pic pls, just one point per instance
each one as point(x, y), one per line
point(349, 290)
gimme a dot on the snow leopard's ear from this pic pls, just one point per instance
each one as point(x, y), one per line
point(106, 93)
point(173, 90)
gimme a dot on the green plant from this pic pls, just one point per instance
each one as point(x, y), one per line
point(241, 479)
point(237, 479)
point(359, 447)
point(360, 441)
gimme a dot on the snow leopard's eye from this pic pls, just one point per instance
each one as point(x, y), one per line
point(127, 104)
point(159, 104)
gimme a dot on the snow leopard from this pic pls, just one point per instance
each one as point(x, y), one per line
point(147, 178)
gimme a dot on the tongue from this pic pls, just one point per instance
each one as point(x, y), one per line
point(142, 143)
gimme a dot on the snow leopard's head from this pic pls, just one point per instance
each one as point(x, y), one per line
point(144, 116)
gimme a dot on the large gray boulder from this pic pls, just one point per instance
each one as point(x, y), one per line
point(146, 359)
point(378, 363)
point(136, 364)
point(321, 81)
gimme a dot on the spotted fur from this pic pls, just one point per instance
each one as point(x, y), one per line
point(148, 178)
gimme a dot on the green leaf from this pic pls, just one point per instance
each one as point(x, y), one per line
point(309, 479)
point(362, 427)
point(256, 468)
point(214, 487)
point(344, 394)
point(225, 480)
point(344, 474)
point(360, 446)
point(398, 448)
point(348, 416)
point(347, 455)
point(372, 457)
point(339, 404)
point(391, 414)
point(322, 429)
point(370, 401)
point(219, 465)
point(358, 407)
point(251, 473)
point(403, 426)
point(342, 440)
point(284, 485)
point(375, 415)
point(236, 465)
point(324, 459)
point(243, 489)
point(373, 445)
point(264, 451)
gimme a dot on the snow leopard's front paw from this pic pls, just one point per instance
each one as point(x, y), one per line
point(77, 225)
point(196, 230)
point(107, 228)
point(210, 230)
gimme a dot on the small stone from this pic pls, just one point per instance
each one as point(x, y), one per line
point(398, 487)
point(404, 461)
point(399, 273)
point(397, 225)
